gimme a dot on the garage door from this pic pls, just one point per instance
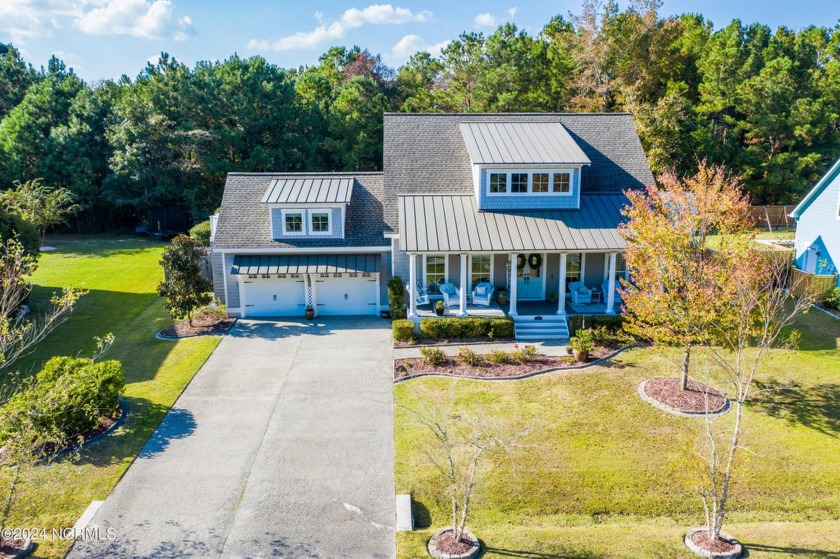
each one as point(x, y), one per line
point(274, 296)
point(346, 295)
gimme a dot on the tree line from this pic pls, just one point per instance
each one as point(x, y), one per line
point(765, 103)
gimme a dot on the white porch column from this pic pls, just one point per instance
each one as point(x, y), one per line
point(512, 311)
point(561, 293)
point(462, 311)
point(412, 286)
point(611, 285)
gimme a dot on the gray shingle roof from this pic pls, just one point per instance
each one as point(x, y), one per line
point(305, 263)
point(521, 143)
point(426, 153)
point(452, 223)
point(244, 222)
point(324, 190)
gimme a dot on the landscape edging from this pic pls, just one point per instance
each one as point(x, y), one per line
point(595, 363)
point(668, 409)
point(161, 336)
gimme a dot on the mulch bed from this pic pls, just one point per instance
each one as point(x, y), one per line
point(447, 543)
point(204, 324)
point(667, 391)
point(720, 545)
point(11, 548)
point(412, 366)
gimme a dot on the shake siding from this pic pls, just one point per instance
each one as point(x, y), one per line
point(528, 201)
point(335, 222)
point(400, 259)
point(819, 225)
point(232, 299)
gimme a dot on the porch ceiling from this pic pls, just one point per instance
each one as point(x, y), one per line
point(452, 223)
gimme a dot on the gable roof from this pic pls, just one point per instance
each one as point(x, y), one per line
point(521, 143)
point(310, 190)
point(452, 223)
point(427, 154)
point(815, 192)
point(245, 223)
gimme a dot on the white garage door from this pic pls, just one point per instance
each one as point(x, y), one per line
point(274, 297)
point(346, 295)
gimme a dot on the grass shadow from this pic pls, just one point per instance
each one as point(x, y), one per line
point(817, 407)
point(784, 551)
point(565, 554)
point(421, 514)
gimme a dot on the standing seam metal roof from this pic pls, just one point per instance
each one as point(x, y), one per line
point(306, 264)
point(320, 190)
point(521, 143)
point(592, 228)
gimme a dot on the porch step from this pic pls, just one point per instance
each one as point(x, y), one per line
point(546, 327)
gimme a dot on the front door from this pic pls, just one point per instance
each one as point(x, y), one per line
point(529, 276)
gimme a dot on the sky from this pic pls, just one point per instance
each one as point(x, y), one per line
point(102, 39)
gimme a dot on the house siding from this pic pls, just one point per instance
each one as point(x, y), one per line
point(819, 227)
point(232, 299)
point(528, 201)
point(335, 222)
point(400, 261)
point(218, 277)
point(593, 273)
point(384, 277)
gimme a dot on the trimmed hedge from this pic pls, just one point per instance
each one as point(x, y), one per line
point(832, 299)
point(470, 327)
point(67, 397)
point(403, 330)
point(396, 297)
point(612, 322)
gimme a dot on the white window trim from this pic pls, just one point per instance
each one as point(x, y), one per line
point(470, 264)
point(284, 232)
point(310, 214)
point(426, 268)
point(531, 173)
point(582, 260)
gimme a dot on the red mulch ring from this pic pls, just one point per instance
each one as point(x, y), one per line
point(719, 545)
point(10, 548)
point(447, 543)
point(205, 323)
point(668, 391)
point(417, 366)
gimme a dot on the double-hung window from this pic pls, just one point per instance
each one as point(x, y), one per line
point(435, 272)
point(319, 223)
point(574, 267)
point(293, 222)
point(479, 269)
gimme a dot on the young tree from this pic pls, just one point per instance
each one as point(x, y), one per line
point(18, 333)
point(42, 205)
point(755, 319)
point(184, 288)
point(676, 289)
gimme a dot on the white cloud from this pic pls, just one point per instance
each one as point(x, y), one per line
point(376, 14)
point(138, 18)
point(489, 20)
point(27, 19)
point(411, 44)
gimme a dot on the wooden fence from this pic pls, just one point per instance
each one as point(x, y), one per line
point(774, 217)
point(803, 283)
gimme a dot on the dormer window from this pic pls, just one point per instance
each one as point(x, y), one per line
point(532, 182)
point(319, 223)
point(293, 222)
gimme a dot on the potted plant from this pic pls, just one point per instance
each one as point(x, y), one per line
point(310, 313)
point(552, 296)
point(582, 343)
point(502, 295)
point(439, 308)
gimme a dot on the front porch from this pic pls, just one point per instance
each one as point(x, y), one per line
point(524, 308)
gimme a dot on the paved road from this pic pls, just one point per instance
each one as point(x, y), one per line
point(282, 445)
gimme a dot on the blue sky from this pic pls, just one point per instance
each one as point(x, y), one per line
point(108, 38)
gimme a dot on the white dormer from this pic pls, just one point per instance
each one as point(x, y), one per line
point(308, 208)
point(524, 165)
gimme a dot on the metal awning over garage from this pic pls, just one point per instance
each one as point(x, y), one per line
point(306, 264)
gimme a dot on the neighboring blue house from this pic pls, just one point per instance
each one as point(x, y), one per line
point(818, 226)
point(466, 204)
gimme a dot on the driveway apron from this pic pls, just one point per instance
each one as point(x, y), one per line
point(282, 445)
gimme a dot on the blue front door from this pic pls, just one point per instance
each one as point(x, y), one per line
point(529, 276)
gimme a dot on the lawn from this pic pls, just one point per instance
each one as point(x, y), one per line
point(602, 477)
point(121, 275)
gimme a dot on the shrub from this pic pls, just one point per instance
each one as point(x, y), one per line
point(67, 397)
point(832, 299)
point(519, 356)
point(434, 357)
point(531, 351)
point(468, 357)
point(396, 297)
point(612, 322)
point(403, 330)
point(497, 357)
point(502, 327)
point(201, 233)
point(582, 340)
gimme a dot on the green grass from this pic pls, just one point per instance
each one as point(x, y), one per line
point(122, 275)
point(603, 479)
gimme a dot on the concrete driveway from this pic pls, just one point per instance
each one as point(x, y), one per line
point(282, 445)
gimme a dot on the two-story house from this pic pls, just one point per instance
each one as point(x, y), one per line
point(465, 204)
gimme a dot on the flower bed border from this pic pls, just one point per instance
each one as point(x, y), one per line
point(736, 552)
point(161, 336)
point(532, 374)
point(90, 442)
point(668, 409)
